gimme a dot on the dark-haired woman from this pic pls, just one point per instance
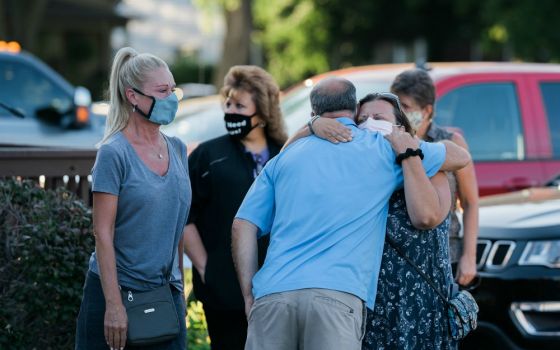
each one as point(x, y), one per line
point(408, 313)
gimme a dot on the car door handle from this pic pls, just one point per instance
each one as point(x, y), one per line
point(519, 183)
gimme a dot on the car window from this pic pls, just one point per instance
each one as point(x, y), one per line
point(551, 97)
point(487, 115)
point(197, 121)
point(23, 87)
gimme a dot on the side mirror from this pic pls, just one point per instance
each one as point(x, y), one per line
point(82, 97)
point(71, 114)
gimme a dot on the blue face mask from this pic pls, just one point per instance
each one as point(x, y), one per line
point(163, 110)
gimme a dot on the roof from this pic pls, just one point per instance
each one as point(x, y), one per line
point(438, 70)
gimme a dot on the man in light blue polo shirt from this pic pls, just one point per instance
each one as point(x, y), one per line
point(325, 207)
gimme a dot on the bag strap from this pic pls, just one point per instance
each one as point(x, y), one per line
point(179, 151)
point(420, 272)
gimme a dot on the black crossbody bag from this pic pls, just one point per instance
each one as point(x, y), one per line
point(462, 308)
point(152, 316)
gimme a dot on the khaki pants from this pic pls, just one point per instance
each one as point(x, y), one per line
point(306, 319)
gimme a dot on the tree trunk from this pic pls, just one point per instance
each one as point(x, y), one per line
point(237, 42)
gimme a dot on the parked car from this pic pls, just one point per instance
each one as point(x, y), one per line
point(38, 107)
point(518, 259)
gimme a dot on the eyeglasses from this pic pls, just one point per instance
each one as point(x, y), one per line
point(392, 97)
point(177, 91)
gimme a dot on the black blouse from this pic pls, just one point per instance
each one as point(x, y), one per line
point(221, 173)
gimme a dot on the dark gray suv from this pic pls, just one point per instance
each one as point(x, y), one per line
point(518, 260)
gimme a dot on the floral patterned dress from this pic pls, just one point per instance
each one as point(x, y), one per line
point(408, 314)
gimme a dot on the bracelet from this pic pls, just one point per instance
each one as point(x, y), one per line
point(409, 153)
point(310, 124)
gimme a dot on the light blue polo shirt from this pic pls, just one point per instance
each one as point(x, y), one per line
point(325, 207)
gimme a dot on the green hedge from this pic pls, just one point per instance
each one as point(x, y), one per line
point(46, 240)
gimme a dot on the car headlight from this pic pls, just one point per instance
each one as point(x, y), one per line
point(544, 253)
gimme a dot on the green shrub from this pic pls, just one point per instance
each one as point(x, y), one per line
point(197, 328)
point(46, 240)
point(197, 333)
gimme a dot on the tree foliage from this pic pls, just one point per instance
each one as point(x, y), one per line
point(305, 37)
point(527, 28)
point(294, 36)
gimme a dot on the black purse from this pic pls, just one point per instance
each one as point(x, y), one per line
point(462, 309)
point(152, 316)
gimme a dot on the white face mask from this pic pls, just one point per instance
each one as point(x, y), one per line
point(381, 126)
point(415, 118)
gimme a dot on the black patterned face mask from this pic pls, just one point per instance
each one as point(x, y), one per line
point(238, 125)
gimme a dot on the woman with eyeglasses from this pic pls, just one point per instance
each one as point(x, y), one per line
point(141, 198)
point(408, 313)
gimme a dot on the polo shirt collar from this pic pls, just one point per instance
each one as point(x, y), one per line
point(346, 121)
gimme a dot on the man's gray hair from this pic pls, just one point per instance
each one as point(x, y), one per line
point(333, 94)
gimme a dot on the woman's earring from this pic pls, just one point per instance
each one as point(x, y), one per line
point(263, 124)
point(133, 108)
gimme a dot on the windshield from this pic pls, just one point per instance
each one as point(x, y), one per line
point(25, 88)
point(197, 120)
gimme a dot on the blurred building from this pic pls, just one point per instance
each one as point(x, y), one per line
point(72, 36)
point(172, 28)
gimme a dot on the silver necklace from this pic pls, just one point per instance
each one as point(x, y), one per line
point(160, 154)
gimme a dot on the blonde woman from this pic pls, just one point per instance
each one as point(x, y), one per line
point(138, 212)
point(221, 171)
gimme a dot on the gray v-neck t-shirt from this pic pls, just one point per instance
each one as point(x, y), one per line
point(152, 211)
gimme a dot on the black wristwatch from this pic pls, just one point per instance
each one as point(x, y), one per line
point(409, 153)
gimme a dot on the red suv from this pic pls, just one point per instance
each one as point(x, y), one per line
point(509, 114)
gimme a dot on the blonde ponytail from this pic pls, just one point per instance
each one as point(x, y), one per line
point(129, 70)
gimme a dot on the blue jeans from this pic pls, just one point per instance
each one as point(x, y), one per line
point(89, 330)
